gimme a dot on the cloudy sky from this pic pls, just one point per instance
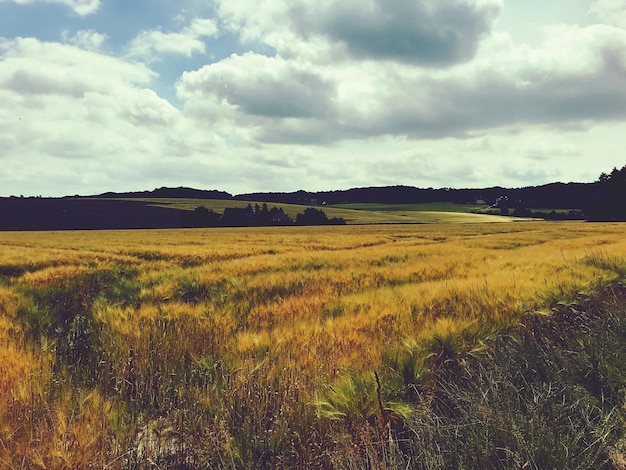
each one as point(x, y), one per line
point(281, 95)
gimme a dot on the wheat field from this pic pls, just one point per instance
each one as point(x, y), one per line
point(275, 347)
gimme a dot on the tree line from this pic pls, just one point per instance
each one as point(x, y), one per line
point(609, 204)
point(256, 216)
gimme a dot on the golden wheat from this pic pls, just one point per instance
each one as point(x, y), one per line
point(187, 313)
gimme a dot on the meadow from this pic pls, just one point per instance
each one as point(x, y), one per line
point(358, 214)
point(376, 346)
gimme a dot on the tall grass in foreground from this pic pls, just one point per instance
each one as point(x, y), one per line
point(352, 347)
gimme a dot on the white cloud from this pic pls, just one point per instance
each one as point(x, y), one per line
point(31, 67)
point(256, 85)
point(149, 45)
point(543, 150)
point(562, 83)
point(90, 114)
point(80, 7)
point(202, 27)
point(612, 12)
point(575, 78)
point(89, 40)
point(455, 104)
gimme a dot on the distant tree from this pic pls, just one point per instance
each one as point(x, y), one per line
point(312, 216)
point(277, 216)
point(261, 215)
point(238, 217)
point(618, 178)
point(264, 218)
point(201, 217)
point(608, 203)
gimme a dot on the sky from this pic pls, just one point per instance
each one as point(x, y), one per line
point(282, 95)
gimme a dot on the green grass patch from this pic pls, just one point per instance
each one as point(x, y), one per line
point(428, 207)
point(428, 213)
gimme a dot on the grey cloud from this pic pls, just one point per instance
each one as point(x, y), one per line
point(280, 101)
point(33, 83)
point(424, 32)
point(275, 162)
point(434, 109)
point(300, 95)
point(304, 131)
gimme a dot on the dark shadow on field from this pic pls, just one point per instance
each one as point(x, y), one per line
point(84, 214)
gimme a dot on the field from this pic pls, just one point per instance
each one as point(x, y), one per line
point(358, 213)
point(419, 207)
point(373, 346)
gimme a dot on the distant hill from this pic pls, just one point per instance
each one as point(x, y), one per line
point(169, 193)
point(602, 200)
point(554, 195)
